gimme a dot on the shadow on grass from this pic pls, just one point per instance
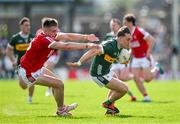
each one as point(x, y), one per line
point(134, 116)
point(68, 117)
point(91, 117)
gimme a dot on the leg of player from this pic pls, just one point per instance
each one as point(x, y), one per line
point(47, 78)
point(30, 93)
point(117, 90)
point(148, 75)
point(124, 74)
point(50, 64)
point(139, 83)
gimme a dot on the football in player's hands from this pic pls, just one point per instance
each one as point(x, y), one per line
point(124, 56)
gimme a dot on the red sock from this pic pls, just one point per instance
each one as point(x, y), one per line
point(145, 94)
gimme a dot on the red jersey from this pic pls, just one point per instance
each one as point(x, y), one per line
point(37, 53)
point(138, 45)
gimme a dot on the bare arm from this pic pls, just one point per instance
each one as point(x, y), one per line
point(150, 40)
point(71, 45)
point(10, 54)
point(75, 37)
point(86, 56)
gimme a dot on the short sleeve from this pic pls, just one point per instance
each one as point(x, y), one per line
point(47, 41)
point(145, 33)
point(107, 47)
point(12, 42)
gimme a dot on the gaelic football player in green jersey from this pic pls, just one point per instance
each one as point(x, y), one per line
point(122, 71)
point(100, 72)
point(18, 45)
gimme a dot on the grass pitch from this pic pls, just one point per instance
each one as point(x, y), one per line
point(164, 108)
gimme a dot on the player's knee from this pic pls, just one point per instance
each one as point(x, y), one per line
point(125, 89)
point(60, 85)
point(148, 79)
point(23, 86)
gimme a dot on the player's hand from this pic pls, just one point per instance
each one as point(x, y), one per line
point(72, 64)
point(92, 38)
point(14, 64)
point(92, 45)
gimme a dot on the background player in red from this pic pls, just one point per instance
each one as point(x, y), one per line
point(31, 70)
point(143, 65)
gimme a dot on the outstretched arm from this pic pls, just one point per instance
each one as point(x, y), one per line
point(88, 55)
point(71, 46)
point(76, 37)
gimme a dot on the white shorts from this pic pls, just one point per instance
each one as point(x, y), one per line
point(140, 62)
point(30, 79)
point(102, 80)
point(118, 66)
point(54, 59)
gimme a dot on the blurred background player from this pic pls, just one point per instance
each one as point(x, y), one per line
point(143, 66)
point(121, 71)
point(100, 72)
point(18, 45)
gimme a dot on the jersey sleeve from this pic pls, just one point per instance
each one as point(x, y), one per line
point(12, 42)
point(107, 47)
point(144, 33)
point(47, 41)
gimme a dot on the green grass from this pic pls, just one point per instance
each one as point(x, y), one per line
point(164, 108)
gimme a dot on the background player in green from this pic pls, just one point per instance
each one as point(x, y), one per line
point(18, 45)
point(104, 56)
point(115, 25)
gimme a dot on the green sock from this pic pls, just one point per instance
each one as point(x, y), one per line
point(130, 93)
point(108, 102)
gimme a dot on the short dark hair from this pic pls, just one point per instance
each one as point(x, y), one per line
point(49, 22)
point(130, 18)
point(116, 21)
point(122, 31)
point(24, 19)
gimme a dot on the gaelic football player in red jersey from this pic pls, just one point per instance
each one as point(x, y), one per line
point(143, 65)
point(32, 70)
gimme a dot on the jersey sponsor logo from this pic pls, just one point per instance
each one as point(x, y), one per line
point(22, 47)
point(109, 58)
point(135, 44)
point(20, 41)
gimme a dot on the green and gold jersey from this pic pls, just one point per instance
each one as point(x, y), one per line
point(101, 64)
point(109, 36)
point(20, 44)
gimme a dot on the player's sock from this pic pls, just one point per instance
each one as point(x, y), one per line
point(30, 99)
point(48, 92)
point(145, 94)
point(133, 98)
point(108, 102)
